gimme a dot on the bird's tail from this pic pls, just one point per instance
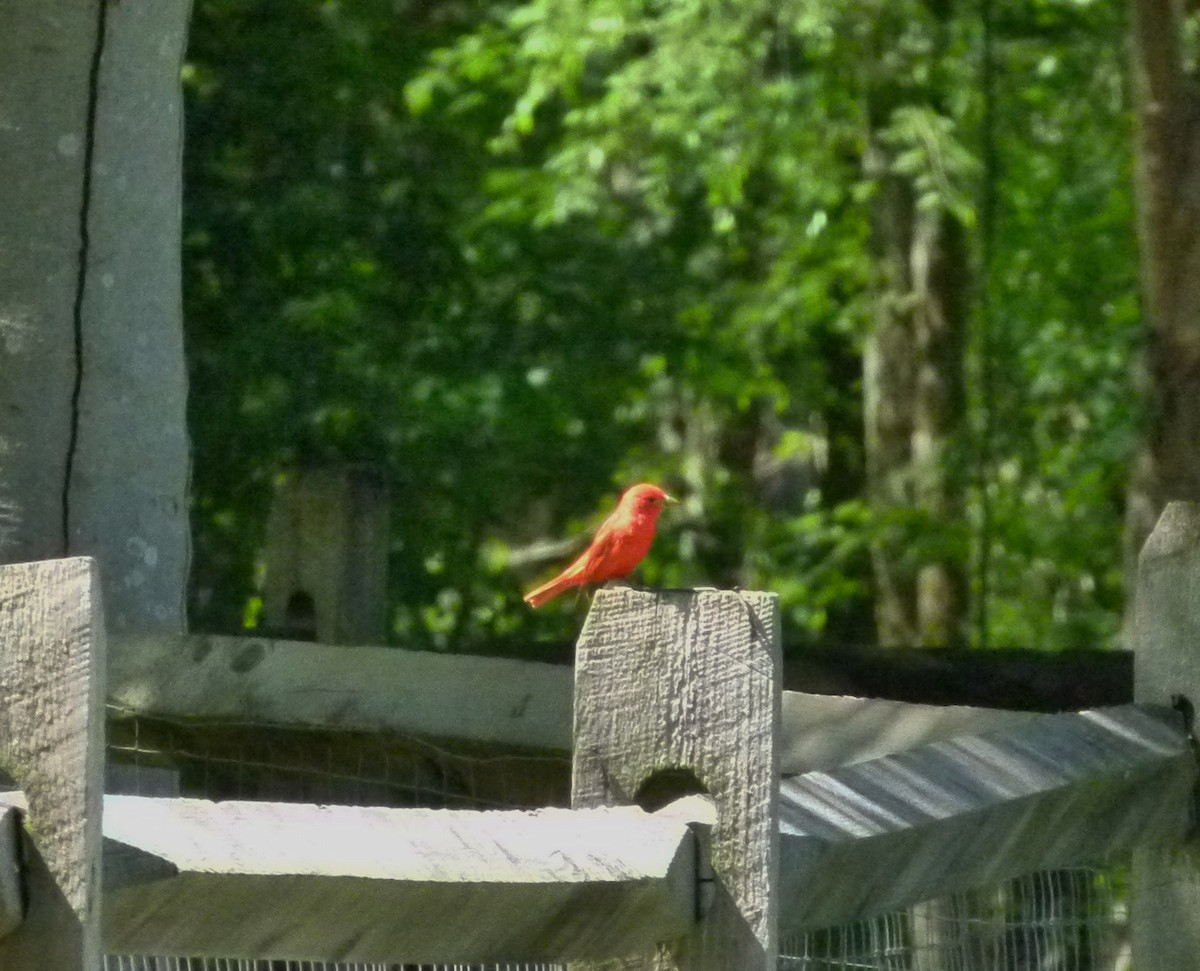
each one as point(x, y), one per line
point(548, 591)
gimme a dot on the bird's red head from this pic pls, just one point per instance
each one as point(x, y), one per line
point(645, 498)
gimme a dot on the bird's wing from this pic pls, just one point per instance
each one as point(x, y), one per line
point(610, 549)
point(600, 549)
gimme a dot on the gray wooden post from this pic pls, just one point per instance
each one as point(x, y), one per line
point(127, 498)
point(327, 557)
point(685, 684)
point(52, 744)
point(1165, 906)
point(93, 446)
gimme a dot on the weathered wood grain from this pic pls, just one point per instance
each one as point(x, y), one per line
point(1066, 790)
point(51, 743)
point(1165, 903)
point(340, 883)
point(687, 683)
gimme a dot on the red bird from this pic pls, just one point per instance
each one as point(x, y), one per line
point(620, 544)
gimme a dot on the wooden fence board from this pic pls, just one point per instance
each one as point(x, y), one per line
point(1066, 790)
point(363, 688)
point(341, 883)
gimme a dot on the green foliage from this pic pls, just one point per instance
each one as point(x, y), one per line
point(1066, 326)
point(520, 255)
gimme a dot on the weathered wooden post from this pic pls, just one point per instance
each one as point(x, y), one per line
point(327, 557)
point(1165, 909)
point(52, 744)
point(93, 442)
point(678, 692)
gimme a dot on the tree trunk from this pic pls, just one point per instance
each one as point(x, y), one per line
point(940, 264)
point(92, 383)
point(889, 382)
point(1167, 461)
point(914, 392)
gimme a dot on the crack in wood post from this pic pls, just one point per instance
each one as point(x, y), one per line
point(81, 272)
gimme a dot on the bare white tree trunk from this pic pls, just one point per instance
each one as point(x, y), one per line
point(93, 445)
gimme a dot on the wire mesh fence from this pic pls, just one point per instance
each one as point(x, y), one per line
point(1062, 920)
point(1055, 920)
point(143, 963)
point(255, 761)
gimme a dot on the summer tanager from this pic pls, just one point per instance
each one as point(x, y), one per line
point(620, 544)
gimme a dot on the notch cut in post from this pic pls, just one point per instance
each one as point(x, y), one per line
point(687, 682)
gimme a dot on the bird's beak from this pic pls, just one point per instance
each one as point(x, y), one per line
point(669, 499)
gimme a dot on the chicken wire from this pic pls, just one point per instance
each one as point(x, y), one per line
point(131, 963)
point(1054, 920)
point(1061, 920)
point(255, 761)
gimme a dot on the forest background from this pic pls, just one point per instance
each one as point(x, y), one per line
point(857, 280)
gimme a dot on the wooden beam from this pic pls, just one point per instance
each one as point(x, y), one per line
point(339, 883)
point(675, 692)
point(322, 686)
point(826, 731)
point(51, 743)
point(1064, 790)
point(497, 700)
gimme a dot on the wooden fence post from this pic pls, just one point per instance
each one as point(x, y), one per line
point(127, 500)
point(52, 743)
point(93, 387)
point(677, 692)
point(327, 557)
point(1165, 907)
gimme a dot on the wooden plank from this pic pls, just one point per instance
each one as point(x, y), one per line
point(51, 743)
point(825, 731)
point(339, 883)
point(367, 688)
point(1165, 903)
point(688, 682)
point(1065, 790)
point(485, 699)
